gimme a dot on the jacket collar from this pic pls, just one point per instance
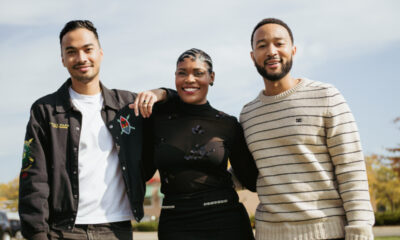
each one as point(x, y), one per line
point(64, 104)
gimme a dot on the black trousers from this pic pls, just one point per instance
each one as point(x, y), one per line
point(106, 231)
point(213, 216)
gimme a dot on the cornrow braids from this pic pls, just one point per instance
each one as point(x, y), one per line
point(194, 54)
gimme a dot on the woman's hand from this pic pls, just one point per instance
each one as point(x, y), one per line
point(145, 101)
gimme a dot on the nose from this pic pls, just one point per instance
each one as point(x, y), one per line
point(190, 78)
point(82, 58)
point(272, 51)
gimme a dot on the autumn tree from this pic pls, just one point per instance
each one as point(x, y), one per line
point(395, 157)
point(9, 193)
point(384, 184)
point(371, 163)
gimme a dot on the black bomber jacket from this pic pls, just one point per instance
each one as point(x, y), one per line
point(49, 187)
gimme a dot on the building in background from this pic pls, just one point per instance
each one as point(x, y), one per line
point(153, 199)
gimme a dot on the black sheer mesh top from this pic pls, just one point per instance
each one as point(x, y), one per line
point(191, 145)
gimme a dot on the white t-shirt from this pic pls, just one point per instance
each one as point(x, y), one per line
point(102, 195)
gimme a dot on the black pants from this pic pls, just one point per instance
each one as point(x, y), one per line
point(106, 231)
point(212, 216)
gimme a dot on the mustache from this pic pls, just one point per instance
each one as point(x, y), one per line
point(271, 58)
point(82, 65)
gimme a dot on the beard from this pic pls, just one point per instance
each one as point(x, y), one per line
point(85, 78)
point(275, 76)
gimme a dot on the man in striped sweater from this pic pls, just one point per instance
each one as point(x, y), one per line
point(312, 180)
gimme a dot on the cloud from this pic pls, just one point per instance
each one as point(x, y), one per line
point(346, 29)
point(142, 41)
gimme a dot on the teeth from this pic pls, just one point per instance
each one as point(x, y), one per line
point(190, 89)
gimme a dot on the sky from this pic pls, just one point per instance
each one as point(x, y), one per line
point(354, 45)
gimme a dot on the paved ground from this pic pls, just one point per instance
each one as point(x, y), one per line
point(145, 236)
point(378, 232)
point(387, 231)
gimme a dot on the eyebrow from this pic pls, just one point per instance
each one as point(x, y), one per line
point(84, 46)
point(195, 69)
point(275, 39)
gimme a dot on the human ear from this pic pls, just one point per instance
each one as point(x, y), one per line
point(294, 50)
point(252, 56)
point(212, 77)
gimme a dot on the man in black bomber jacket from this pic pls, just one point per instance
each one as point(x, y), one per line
point(74, 180)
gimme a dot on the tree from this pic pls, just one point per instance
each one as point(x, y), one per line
point(395, 158)
point(384, 184)
point(384, 179)
point(9, 194)
point(388, 190)
point(371, 162)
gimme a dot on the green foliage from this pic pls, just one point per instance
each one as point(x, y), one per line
point(387, 218)
point(150, 226)
point(387, 238)
point(384, 184)
point(394, 156)
point(253, 221)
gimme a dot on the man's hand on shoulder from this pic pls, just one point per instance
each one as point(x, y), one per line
point(145, 101)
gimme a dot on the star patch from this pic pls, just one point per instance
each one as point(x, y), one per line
point(125, 126)
point(27, 160)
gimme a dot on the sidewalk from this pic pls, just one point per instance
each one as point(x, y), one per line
point(145, 236)
point(384, 231)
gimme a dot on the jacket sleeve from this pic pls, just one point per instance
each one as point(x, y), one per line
point(344, 147)
point(148, 168)
point(34, 189)
point(243, 164)
point(171, 94)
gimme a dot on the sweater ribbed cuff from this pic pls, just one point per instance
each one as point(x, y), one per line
point(329, 228)
point(359, 232)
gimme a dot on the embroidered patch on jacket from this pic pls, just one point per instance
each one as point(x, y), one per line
point(27, 160)
point(24, 175)
point(59, 125)
point(125, 126)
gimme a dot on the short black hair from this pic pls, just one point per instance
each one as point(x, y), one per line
point(268, 21)
point(195, 53)
point(75, 24)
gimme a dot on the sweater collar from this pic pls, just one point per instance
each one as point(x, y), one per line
point(265, 99)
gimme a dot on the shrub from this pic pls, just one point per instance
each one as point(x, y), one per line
point(387, 218)
point(150, 226)
point(252, 221)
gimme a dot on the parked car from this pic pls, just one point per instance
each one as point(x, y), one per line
point(5, 228)
point(15, 224)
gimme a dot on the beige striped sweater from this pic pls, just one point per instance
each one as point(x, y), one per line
point(312, 180)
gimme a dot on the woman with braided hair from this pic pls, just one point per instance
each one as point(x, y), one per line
point(190, 145)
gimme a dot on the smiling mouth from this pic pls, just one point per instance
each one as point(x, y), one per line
point(82, 67)
point(190, 90)
point(272, 62)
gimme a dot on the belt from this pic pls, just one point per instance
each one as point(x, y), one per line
point(200, 200)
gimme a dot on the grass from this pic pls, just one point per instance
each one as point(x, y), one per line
point(387, 238)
